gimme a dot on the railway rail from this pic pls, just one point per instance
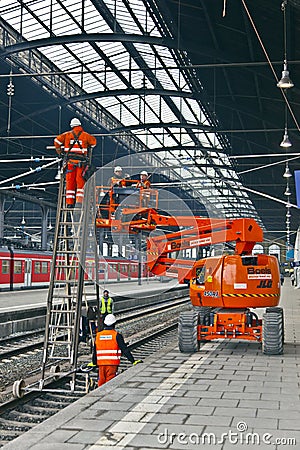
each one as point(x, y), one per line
point(20, 415)
point(17, 345)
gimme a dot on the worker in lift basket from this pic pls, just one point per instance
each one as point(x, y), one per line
point(109, 345)
point(117, 179)
point(78, 147)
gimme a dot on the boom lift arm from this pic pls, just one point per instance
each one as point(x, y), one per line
point(198, 232)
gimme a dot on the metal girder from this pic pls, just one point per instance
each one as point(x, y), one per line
point(147, 126)
point(92, 37)
point(28, 198)
point(132, 91)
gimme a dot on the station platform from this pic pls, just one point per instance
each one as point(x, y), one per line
point(36, 298)
point(226, 396)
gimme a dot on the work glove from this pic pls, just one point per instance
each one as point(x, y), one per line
point(137, 362)
point(86, 368)
point(91, 364)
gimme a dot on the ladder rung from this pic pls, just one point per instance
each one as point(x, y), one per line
point(71, 209)
point(72, 222)
point(60, 311)
point(62, 327)
point(59, 342)
point(58, 357)
point(63, 266)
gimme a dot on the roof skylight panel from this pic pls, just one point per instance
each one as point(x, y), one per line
point(56, 52)
point(165, 80)
point(120, 59)
point(84, 51)
point(8, 6)
point(122, 15)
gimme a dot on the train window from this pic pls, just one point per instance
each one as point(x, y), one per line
point(5, 266)
point(44, 266)
point(18, 267)
point(37, 267)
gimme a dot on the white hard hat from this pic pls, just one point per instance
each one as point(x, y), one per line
point(118, 169)
point(110, 319)
point(75, 122)
point(143, 172)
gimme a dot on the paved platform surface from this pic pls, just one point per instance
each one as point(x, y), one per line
point(16, 300)
point(227, 396)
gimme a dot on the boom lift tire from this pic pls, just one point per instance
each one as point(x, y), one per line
point(187, 332)
point(272, 339)
point(279, 310)
point(203, 312)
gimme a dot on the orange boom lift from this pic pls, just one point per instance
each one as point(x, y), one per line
point(222, 288)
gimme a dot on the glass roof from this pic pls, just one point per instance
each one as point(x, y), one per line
point(174, 123)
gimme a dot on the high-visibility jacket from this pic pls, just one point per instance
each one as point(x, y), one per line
point(116, 181)
point(144, 184)
point(73, 146)
point(108, 352)
point(106, 307)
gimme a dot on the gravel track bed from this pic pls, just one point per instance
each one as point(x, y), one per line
point(18, 367)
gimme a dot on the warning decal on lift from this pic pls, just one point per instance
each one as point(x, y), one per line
point(260, 276)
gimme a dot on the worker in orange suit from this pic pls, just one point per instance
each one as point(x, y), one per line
point(78, 146)
point(109, 345)
point(144, 183)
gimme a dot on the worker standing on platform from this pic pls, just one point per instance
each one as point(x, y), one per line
point(117, 178)
point(78, 147)
point(109, 345)
point(144, 182)
point(106, 305)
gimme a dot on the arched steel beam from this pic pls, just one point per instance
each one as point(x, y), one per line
point(140, 91)
point(184, 147)
point(147, 126)
point(93, 37)
point(28, 198)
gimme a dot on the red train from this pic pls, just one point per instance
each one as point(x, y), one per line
point(32, 268)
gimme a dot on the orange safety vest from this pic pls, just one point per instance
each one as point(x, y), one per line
point(144, 184)
point(107, 349)
point(78, 147)
point(118, 181)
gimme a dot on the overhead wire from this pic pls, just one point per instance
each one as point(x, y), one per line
point(270, 63)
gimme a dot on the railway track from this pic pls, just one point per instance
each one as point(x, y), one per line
point(27, 342)
point(20, 415)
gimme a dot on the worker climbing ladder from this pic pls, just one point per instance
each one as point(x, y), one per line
point(69, 283)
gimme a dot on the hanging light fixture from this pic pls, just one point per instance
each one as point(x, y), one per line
point(23, 221)
point(287, 191)
point(287, 173)
point(285, 82)
point(285, 143)
point(57, 176)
